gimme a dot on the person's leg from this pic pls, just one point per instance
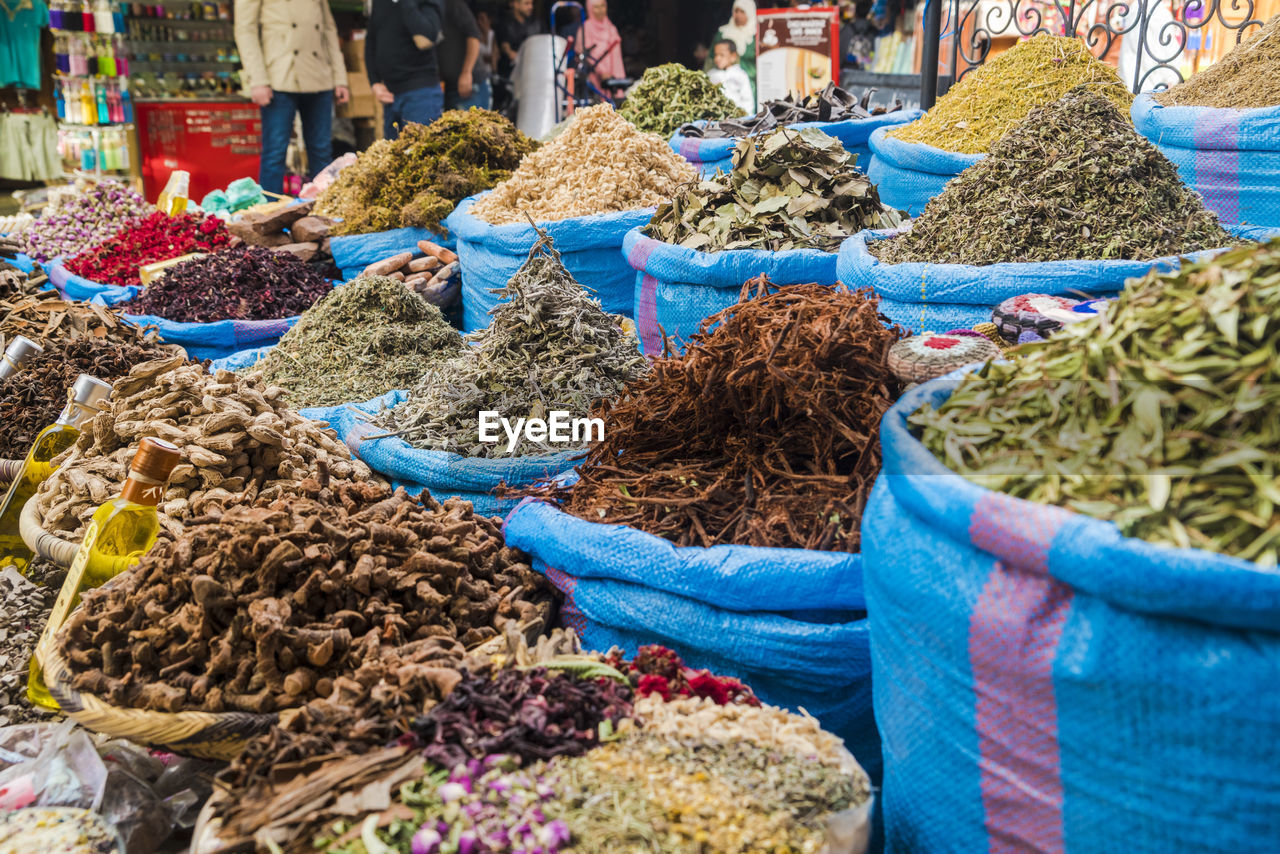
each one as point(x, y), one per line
point(317, 129)
point(421, 106)
point(277, 127)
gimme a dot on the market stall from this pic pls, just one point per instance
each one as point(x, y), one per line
point(513, 496)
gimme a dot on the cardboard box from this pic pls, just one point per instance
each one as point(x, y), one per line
point(353, 52)
point(362, 100)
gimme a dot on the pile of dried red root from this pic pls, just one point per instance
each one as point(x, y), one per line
point(347, 591)
point(764, 433)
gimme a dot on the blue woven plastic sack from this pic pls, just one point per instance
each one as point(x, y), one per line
point(677, 288)
point(589, 247)
point(445, 474)
point(708, 155)
point(788, 622)
point(240, 359)
point(22, 261)
point(926, 297)
point(218, 339)
point(73, 287)
point(909, 174)
point(1231, 157)
point(353, 252)
point(1044, 684)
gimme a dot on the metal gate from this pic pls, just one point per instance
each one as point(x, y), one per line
point(1158, 32)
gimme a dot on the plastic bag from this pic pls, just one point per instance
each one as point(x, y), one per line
point(909, 174)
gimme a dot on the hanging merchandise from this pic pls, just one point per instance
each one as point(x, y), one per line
point(29, 147)
point(20, 26)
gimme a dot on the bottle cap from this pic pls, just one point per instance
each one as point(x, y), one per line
point(155, 460)
point(20, 348)
point(90, 392)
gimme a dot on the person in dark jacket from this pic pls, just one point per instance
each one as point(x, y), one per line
point(400, 53)
point(465, 73)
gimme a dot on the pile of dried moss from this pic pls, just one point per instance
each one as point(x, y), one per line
point(417, 179)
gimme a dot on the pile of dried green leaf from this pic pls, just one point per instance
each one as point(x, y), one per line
point(1158, 414)
point(549, 347)
point(1074, 180)
point(417, 179)
point(788, 190)
point(667, 96)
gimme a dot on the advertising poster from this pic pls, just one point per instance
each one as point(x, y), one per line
point(797, 51)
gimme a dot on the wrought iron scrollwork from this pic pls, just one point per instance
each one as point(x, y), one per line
point(1161, 30)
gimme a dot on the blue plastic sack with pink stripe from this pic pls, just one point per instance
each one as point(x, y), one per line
point(353, 252)
point(909, 174)
point(677, 288)
point(445, 474)
point(1043, 683)
point(218, 339)
point(489, 255)
point(788, 622)
point(1230, 157)
point(927, 297)
point(708, 155)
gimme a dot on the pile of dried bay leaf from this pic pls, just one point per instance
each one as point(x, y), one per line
point(791, 189)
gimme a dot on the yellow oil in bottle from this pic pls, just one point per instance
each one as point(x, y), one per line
point(117, 537)
point(86, 395)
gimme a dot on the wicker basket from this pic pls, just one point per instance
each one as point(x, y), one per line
point(205, 735)
point(45, 544)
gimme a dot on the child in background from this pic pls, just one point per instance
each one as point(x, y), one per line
point(728, 74)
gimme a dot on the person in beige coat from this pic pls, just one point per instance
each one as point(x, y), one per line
point(292, 65)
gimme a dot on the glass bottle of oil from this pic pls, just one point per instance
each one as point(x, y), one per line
point(86, 397)
point(117, 537)
point(19, 350)
point(173, 198)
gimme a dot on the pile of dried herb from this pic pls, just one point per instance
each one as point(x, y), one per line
point(991, 99)
point(158, 237)
point(764, 433)
point(363, 339)
point(417, 179)
point(31, 399)
point(244, 283)
point(1247, 77)
point(669, 95)
point(15, 284)
point(600, 164)
point(788, 190)
point(639, 794)
point(527, 713)
point(78, 219)
point(25, 603)
point(264, 607)
point(550, 346)
point(1074, 180)
point(831, 104)
point(1158, 414)
point(46, 319)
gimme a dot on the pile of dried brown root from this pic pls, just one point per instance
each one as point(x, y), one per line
point(342, 593)
point(764, 433)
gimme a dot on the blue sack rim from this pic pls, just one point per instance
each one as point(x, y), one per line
point(699, 150)
point(858, 268)
point(918, 156)
point(833, 580)
point(1207, 128)
point(728, 268)
point(574, 234)
point(1087, 554)
point(454, 471)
